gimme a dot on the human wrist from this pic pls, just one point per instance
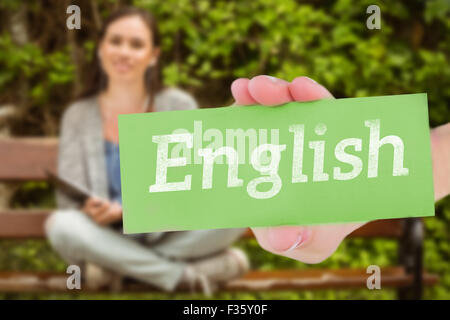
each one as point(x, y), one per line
point(440, 148)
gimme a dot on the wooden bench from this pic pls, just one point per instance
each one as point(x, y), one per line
point(23, 159)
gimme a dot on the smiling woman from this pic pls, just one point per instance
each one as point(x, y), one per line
point(125, 79)
point(127, 50)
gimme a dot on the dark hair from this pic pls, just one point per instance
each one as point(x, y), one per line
point(97, 80)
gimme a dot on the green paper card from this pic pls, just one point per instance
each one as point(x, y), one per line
point(320, 162)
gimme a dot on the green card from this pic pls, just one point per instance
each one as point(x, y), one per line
point(326, 161)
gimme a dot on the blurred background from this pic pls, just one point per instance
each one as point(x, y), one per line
point(205, 46)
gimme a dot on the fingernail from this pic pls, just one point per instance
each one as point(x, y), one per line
point(273, 79)
point(311, 79)
point(297, 243)
point(286, 238)
point(302, 238)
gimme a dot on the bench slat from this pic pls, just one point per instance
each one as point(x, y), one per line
point(19, 224)
point(25, 223)
point(25, 158)
point(321, 279)
point(252, 281)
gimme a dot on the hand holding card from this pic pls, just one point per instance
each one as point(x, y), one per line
point(332, 166)
point(313, 244)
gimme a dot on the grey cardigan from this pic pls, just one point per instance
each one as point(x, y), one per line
point(81, 149)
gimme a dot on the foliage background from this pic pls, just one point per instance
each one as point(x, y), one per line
point(206, 45)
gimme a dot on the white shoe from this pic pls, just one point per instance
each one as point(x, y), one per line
point(194, 279)
point(208, 273)
point(97, 277)
point(227, 265)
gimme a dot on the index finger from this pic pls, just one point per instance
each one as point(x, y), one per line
point(265, 90)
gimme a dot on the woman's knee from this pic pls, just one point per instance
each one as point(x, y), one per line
point(64, 229)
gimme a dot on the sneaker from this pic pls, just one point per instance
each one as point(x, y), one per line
point(229, 264)
point(97, 278)
point(210, 272)
point(194, 280)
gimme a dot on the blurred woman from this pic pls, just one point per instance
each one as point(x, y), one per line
point(125, 79)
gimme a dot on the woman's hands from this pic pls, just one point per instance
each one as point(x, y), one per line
point(102, 211)
point(313, 244)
